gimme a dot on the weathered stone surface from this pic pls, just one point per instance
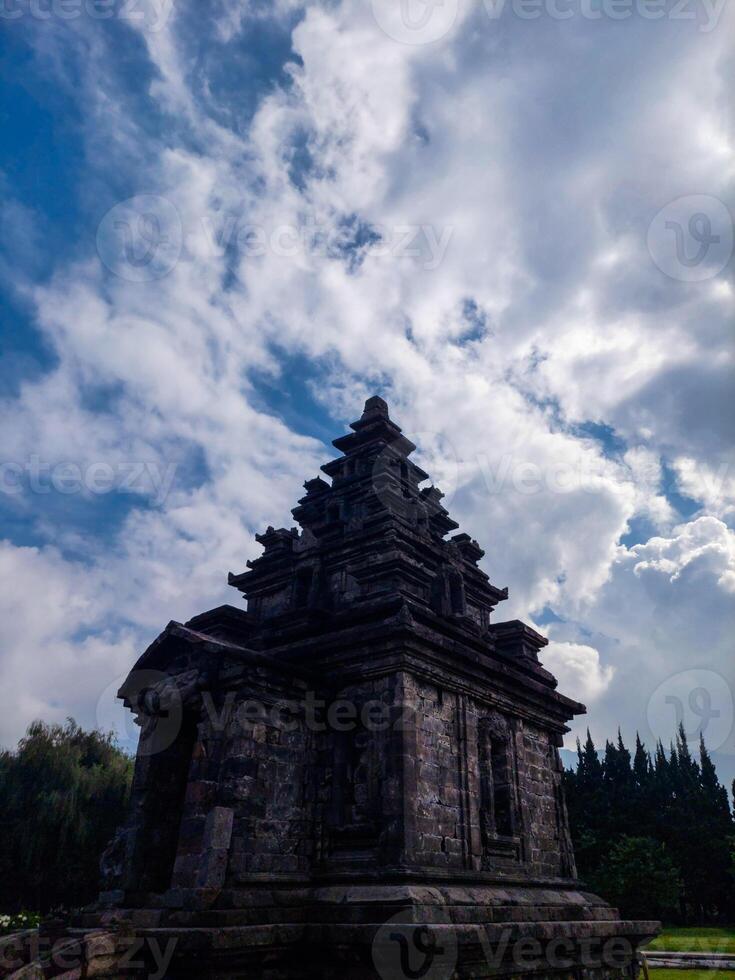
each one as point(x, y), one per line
point(364, 743)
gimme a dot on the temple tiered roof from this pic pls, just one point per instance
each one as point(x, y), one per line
point(372, 532)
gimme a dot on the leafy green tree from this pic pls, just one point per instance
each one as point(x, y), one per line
point(62, 793)
point(639, 877)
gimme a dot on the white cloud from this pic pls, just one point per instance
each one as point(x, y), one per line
point(47, 669)
point(705, 546)
point(531, 158)
point(666, 611)
point(713, 485)
point(578, 669)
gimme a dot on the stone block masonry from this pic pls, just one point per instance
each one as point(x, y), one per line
point(358, 776)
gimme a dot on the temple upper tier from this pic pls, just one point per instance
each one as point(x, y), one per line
point(371, 534)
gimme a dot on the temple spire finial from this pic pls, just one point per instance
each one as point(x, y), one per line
point(376, 406)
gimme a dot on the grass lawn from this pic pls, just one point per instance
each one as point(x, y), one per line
point(694, 940)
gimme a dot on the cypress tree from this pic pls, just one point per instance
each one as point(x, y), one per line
point(641, 764)
point(642, 780)
point(586, 806)
point(625, 813)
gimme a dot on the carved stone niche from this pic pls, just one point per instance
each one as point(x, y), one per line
point(499, 815)
point(353, 819)
point(448, 593)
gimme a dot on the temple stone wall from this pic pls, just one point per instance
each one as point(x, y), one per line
point(449, 815)
point(439, 814)
point(365, 742)
point(293, 793)
point(266, 780)
point(541, 797)
point(201, 797)
point(361, 773)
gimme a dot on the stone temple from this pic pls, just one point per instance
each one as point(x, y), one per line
point(359, 776)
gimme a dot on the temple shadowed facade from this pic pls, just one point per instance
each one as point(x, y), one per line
point(364, 745)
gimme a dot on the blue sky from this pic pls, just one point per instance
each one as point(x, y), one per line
point(225, 225)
